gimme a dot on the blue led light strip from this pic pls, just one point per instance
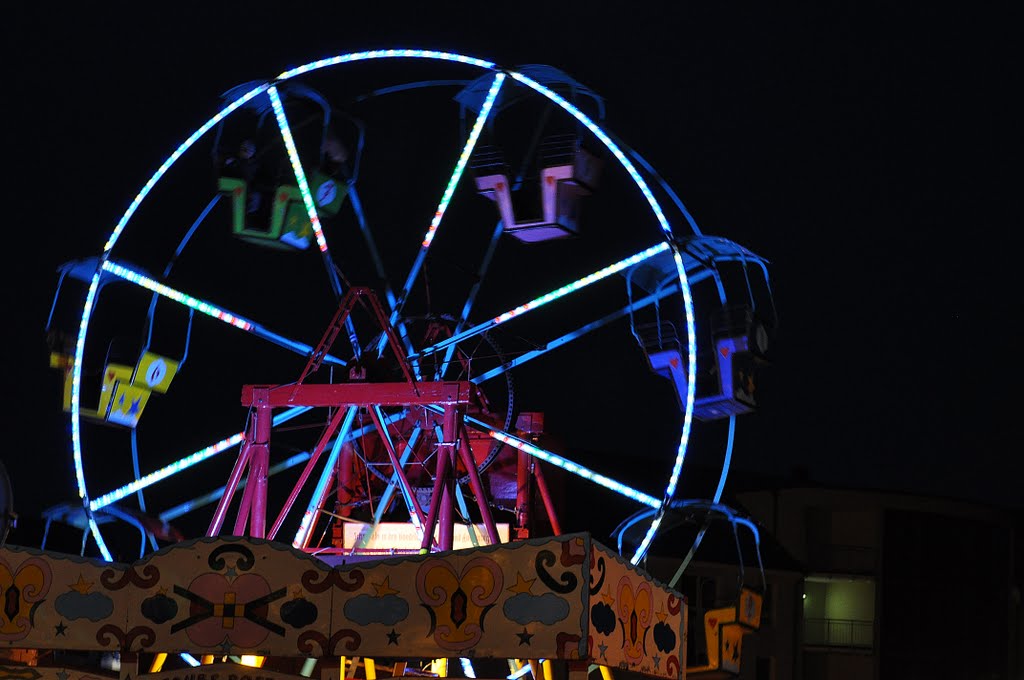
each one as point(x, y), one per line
point(214, 496)
point(300, 174)
point(211, 310)
point(573, 335)
point(691, 337)
point(185, 463)
point(549, 297)
point(574, 468)
point(76, 422)
point(345, 434)
point(396, 477)
point(395, 483)
point(556, 460)
point(165, 472)
point(309, 517)
point(95, 531)
point(726, 463)
point(492, 246)
point(519, 673)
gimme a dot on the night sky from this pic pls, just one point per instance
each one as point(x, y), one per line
point(863, 151)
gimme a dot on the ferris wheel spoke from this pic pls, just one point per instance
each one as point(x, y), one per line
point(212, 450)
point(184, 463)
point(308, 521)
point(398, 467)
point(566, 464)
point(557, 460)
point(573, 335)
point(642, 303)
point(467, 308)
point(300, 173)
point(311, 211)
point(371, 245)
point(394, 483)
point(346, 435)
point(442, 206)
point(567, 289)
point(229, 318)
point(213, 496)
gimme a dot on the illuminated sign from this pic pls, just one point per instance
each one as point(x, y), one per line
point(406, 536)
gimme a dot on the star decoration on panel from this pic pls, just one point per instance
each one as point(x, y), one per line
point(522, 585)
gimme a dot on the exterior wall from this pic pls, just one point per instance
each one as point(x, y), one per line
point(828, 666)
point(943, 576)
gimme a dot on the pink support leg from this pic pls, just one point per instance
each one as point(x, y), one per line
point(522, 495)
point(545, 495)
point(261, 467)
point(435, 500)
point(477, 487)
point(450, 433)
point(241, 464)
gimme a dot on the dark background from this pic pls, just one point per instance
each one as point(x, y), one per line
point(863, 150)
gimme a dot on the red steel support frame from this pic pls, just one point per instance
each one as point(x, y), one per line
point(454, 397)
point(528, 471)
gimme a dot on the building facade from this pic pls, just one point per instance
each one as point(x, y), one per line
point(897, 586)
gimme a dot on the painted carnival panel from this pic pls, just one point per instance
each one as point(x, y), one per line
point(231, 596)
point(47, 673)
point(523, 599)
point(61, 601)
point(635, 622)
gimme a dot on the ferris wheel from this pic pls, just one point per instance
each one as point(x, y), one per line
point(354, 295)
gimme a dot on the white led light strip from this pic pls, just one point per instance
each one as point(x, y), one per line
point(467, 150)
point(177, 296)
point(300, 174)
point(576, 469)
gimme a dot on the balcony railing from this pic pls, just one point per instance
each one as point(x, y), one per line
point(839, 633)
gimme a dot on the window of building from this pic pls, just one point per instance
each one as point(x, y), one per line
point(839, 611)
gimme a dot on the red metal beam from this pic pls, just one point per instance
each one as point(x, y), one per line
point(359, 394)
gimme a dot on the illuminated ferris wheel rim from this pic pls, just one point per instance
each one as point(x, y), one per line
point(668, 245)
